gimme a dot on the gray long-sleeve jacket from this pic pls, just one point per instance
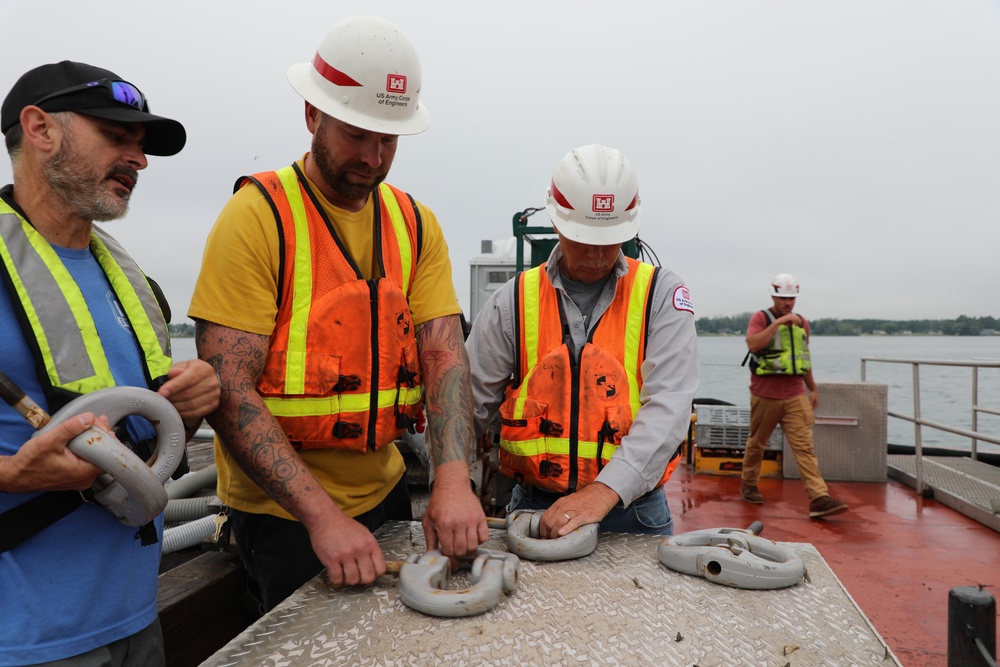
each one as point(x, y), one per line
point(669, 371)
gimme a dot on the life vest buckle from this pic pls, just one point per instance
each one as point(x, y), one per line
point(407, 377)
point(345, 430)
point(550, 428)
point(347, 383)
point(547, 468)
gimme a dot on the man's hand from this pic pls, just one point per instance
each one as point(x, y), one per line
point(348, 551)
point(193, 389)
point(588, 505)
point(45, 464)
point(454, 520)
point(790, 318)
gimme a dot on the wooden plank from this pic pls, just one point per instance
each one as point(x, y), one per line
point(201, 605)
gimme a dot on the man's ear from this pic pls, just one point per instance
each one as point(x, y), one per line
point(40, 129)
point(313, 117)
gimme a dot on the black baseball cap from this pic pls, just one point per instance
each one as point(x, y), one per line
point(92, 91)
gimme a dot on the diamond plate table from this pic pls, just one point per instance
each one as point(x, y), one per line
point(617, 606)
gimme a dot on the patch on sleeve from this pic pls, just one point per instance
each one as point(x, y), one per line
point(682, 299)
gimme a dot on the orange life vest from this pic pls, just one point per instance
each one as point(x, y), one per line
point(563, 418)
point(322, 381)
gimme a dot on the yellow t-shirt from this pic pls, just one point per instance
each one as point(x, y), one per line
point(238, 288)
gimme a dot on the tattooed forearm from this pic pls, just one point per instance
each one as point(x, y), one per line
point(248, 430)
point(448, 387)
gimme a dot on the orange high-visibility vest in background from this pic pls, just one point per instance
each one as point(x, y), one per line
point(342, 369)
point(563, 418)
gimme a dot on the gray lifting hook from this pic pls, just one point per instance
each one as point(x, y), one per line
point(424, 579)
point(522, 538)
point(131, 489)
point(733, 557)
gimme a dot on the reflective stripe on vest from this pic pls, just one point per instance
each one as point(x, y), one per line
point(788, 353)
point(72, 356)
point(319, 386)
point(537, 424)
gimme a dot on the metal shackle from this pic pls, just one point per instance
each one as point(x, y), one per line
point(523, 539)
point(424, 579)
point(733, 557)
point(132, 489)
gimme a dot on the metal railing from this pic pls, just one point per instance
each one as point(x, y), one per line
point(918, 422)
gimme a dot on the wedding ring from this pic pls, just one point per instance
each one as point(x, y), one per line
point(568, 519)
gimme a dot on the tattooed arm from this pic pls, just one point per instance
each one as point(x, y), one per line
point(454, 518)
point(258, 445)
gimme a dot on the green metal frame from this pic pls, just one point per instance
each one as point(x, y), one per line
point(541, 246)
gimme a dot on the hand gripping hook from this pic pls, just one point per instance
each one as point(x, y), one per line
point(423, 582)
point(523, 540)
point(733, 557)
point(132, 490)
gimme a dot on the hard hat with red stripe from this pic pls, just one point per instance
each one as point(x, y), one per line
point(784, 285)
point(594, 196)
point(365, 73)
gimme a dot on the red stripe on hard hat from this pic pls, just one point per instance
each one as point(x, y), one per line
point(558, 196)
point(332, 74)
point(635, 200)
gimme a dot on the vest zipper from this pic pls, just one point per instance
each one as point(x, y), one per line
point(374, 387)
point(574, 420)
point(791, 345)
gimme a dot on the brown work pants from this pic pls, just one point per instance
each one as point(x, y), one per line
point(796, 418)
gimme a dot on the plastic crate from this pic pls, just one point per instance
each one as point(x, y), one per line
point(728, 427)
point(722, 432)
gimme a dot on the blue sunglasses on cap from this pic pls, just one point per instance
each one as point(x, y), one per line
point(121, 91)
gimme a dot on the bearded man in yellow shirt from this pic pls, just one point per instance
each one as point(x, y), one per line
point(326, 305)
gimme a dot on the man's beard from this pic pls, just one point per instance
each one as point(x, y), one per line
point(82, 189)
point(335, 174)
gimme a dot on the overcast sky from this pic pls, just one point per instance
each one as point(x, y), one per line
point(854, 143)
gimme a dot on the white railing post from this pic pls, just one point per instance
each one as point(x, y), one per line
point(917, 441)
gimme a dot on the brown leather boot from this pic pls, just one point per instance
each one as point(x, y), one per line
point(751, 494)
point(825, 506)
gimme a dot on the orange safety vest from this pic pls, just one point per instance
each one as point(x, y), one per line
point(321, 381)
point(563, 418)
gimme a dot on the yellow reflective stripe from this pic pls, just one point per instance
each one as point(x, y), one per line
point(634, 322)
point(341, 403)
point(295, 359)
point(586, 449)
point(157, 362)
point(402, 233)
point(529, 324)
point(84, 322)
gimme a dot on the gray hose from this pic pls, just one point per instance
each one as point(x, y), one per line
point(188, 534)
point(192, 483)
point(180, 510)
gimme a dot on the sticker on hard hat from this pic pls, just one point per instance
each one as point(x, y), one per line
point(604, 203)
point(682, 299)
point(393, 100)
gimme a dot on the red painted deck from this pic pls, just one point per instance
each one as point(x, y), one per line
point(897, 554)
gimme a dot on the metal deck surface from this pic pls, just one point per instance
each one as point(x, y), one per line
point(966, 486)
point(617, 606)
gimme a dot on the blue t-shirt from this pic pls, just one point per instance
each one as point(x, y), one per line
point(84, 581)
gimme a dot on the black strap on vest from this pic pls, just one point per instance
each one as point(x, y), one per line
point(29, 518)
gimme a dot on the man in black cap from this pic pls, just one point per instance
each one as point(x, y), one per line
point(78, 316)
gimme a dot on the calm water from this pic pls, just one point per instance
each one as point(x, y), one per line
point(945, 393)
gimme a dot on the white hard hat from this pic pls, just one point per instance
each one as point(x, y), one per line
point(784, 285)
point(365, 73)
point(594, 196)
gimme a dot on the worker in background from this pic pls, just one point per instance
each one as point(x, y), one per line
point(591, 359)
point(783, 391)
point(77, 587)
point(325, 302)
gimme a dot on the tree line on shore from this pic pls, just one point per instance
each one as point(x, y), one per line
point(960, 326)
